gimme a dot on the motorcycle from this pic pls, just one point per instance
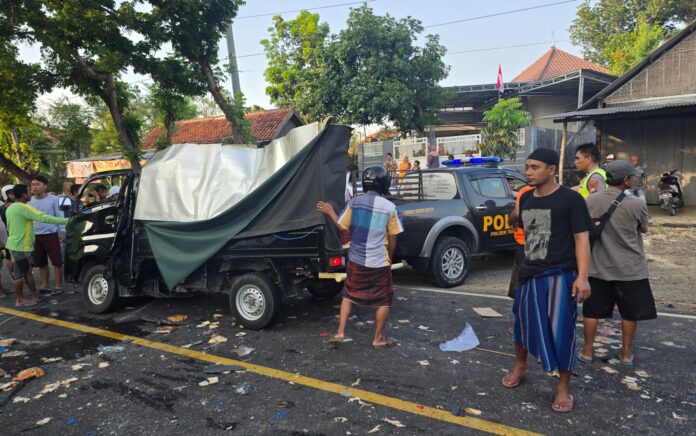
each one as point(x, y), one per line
point(669, 188)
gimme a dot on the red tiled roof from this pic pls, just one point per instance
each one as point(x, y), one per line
point(556, 62)
point(210, 130)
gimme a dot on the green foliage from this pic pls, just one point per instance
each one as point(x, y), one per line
point(70, 126)
point(503, 122)
point(371, 72)
point(619, 33)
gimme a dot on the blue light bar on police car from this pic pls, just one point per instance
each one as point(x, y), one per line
point(473, 161)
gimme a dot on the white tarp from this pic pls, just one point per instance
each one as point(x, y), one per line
point(195, 182)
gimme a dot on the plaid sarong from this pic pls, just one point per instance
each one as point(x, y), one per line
point(371, 287)
point(545, 315)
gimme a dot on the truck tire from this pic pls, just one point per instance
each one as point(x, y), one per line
point(99, 294)
point(255, 300)
point(326, 289)
point(449, 263)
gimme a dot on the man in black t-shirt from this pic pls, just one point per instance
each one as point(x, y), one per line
point(553, 276)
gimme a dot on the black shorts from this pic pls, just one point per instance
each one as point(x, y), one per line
point(634, 299)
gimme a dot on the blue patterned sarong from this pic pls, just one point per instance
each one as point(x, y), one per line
point(545, 315)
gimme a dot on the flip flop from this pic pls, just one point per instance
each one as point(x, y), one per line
point(582, 358)
point(391, 342)
point(27, 303)
point(510, 381)
point(559, 406)
point(56, 291)
point(44, 291)
point(630, 363)
point(335, 341)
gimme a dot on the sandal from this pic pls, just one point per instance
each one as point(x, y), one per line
point(510, 381)
point(335, 341)
point(629, 363)
point(391, 342)
point(27, 303)
point(581, 358)
point(563, 406)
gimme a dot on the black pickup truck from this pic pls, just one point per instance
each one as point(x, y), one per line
point(451, 213)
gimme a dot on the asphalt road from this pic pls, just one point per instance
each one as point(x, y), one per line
point(153, 391)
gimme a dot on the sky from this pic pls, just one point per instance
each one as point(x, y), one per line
point(483, 35)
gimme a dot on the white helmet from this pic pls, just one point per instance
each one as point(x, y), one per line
point(4, 191)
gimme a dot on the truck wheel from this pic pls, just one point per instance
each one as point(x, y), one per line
point(324, 288)
point(99, 294)
point(255, 300)
point(449, 264)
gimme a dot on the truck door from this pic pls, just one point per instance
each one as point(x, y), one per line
point(93, 222)
point(492, 202)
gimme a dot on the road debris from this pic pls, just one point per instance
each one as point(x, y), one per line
point(79, 366)
point(7, 342)
point(471, 411)
point(51, 359)
point(672, 344)
point(609, 370)
point(103, 365)
point(21, 400)
point(357, 382)
point(217, 315)
point(341, 419)
point(360, 402)
point(607, 341)
point(279, 415)
point(203, 324)
point(466, 340)
point(244, 388)
point(394, 422)
point(217, 339)
point(678, 418)
point(8, 386)
point(14, 353)
point(487, 312)
point(374, 430)
point(240, 334)
point(28, 373)
point(165, 329)
point(42, 422)
point(177, 318)
point(221, 369)
point(243, 351)
point(110, 349)
point(424, 327)
point(423, 362)
point(209, 381)
point(403, 321)
point(642, 374)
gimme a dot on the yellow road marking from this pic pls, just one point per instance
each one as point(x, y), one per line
point(371, 397)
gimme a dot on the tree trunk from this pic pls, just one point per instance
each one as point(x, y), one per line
point(222, 103)
point(170, 130)
point(12, 168)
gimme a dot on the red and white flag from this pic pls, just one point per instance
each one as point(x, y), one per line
point(499, 84)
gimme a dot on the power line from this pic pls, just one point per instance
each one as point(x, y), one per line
point(300, 10)
point(497, 14)
point(502, 47)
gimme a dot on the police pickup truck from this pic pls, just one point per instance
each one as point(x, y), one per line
point(452, 213)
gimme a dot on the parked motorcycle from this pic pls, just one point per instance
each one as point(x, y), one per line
point(671, 197)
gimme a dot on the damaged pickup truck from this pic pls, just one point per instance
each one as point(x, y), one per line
point(206, 218)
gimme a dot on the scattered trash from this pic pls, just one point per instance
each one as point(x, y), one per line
point(471, 411)
point(669, 306)
point(341, 419)
point(3, 373)
point(374, 430)
point(423, 327)
point(7, 342)
point(103, 364)
point(242, 351)
point(217, 315)
point(2, 349)
point(218, 369)
point(347, 340)
point(240, 334)
point(110, 349)
point(424, 362)
point(28, 373)
point(466, 340)
point(394, 422)
point(203, 324)
point(607, 341)
point(645, 397)
point(609, 370)
point(177, 318)
point(614, 361)
point(71, 421)
point(360, 402)
point(280, 415)
point(79, 366)
point(8, 386)
point(324, 334)
point(642, 374)
point(454, 388)
point(668, 343)
point(357, 382)
point(165, 329)
point(678, 418)
point(21, 400)
point(44, 421)
point(487, 312)
point(420, 406)
point(15, 353)
point(244, 388)
point(209, 381)
point(217, 339)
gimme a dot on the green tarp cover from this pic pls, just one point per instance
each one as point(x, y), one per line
point(284, 202)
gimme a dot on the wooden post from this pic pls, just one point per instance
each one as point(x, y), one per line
point(562, 156)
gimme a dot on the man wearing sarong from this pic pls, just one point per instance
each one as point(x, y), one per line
point(553, 277)
point(373, 224)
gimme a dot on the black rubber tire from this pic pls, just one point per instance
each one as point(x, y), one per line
point(326, 289)
point(110, 302)
point(436, 271)
point(272, 300)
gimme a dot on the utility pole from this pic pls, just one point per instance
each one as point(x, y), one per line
point(232, 61)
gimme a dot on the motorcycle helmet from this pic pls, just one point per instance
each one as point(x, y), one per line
point(376, 179)
point(4, 191)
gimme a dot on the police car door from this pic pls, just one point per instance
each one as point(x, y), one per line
point(492, 203)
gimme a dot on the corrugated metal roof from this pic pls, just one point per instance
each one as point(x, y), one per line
point(618, 110)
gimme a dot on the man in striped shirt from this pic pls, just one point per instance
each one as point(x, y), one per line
point(20, 243)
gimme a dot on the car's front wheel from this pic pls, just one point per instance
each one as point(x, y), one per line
point(449, 263)
point(99, 293)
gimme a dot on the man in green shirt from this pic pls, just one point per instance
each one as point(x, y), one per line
point(20, 243)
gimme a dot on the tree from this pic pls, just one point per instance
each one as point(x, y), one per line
point(371, 72)
point(503, 123)
point(295, 52)
point(194, 29)
point(614, 32)
point(70, 126)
